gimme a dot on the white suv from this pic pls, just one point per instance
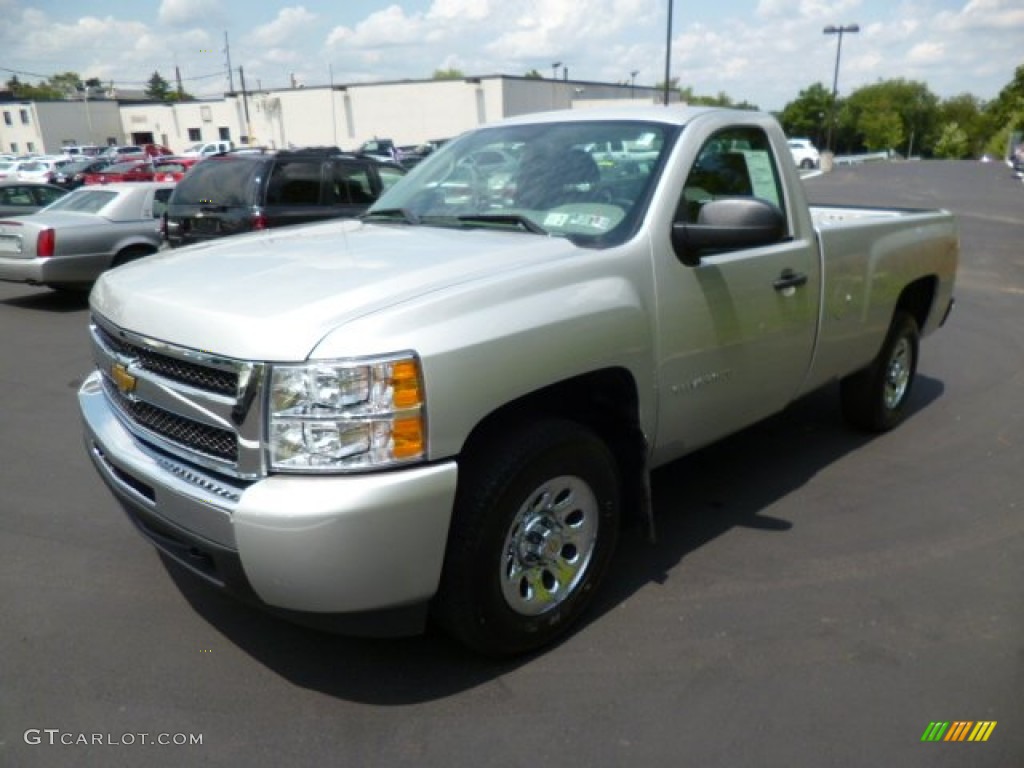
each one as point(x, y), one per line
point(805, 154)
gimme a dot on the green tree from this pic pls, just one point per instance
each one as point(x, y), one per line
point(67, 83)
point(691, 97)
point(807, 114)
point(869, 117)
point(158, 89)
point(448, 74)
point(953, 142)
point(533, 74)
point(967, 113)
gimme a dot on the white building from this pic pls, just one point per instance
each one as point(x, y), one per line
point(408, 112)
point(45, 126)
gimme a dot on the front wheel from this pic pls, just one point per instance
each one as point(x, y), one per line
point(875, 399)
point(535, 526)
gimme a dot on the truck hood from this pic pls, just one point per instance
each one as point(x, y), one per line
point(274, 295)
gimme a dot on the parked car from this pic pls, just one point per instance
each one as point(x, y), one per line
point(82, 151)
point(69, 243)
point(72, 175)
point(173, 168)
point(136, 152)
point(21, 197)
point(41, 169)
point(230, 193)
point(126, 152)
point(9, 169)
point(379, 149)
point(131, 170)
point(204, 148)
point(805, 154)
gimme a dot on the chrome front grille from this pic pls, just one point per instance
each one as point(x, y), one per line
point(209, 441)
point(203, 377)
point(191, 404)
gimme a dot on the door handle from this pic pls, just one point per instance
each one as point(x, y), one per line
point(789, 279)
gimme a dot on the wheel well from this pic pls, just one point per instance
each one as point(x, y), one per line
point(133, 251)
point(606, 401)
point(917, 299)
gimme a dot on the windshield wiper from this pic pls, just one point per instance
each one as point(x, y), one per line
point(516, 219)
point(401, 214)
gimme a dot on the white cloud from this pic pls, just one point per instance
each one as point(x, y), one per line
point(926, 53)
point(290, 25)
point(190, 13)
point(386, 28)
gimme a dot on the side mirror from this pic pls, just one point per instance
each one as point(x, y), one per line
point(726, 225)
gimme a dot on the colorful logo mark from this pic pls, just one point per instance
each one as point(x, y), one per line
point(959, 730)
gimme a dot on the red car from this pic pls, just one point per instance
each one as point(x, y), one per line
point(173, 168)
point(156, 151)
point(133, 170)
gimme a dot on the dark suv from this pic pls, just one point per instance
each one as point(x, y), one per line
point(240, 192)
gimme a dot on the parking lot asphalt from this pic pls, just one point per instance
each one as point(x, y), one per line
point(815, 597)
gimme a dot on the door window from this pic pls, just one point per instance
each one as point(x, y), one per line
point(735, 162)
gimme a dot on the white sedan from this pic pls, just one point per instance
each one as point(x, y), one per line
point(70, 242)
point(805, 154)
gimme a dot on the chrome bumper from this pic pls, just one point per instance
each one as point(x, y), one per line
point(326, 545)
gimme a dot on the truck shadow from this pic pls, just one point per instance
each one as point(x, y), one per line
point(46, 300)
point(696, 499)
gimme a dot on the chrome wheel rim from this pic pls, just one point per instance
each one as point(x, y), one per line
point(549, 545)
point(897, 375)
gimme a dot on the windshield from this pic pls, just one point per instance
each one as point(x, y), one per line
point(560, 179)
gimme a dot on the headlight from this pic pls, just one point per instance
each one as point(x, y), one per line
point(341, 415)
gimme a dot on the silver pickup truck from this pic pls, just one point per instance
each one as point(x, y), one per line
point(442, 410)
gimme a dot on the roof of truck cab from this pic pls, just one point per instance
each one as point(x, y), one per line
point(673, 114)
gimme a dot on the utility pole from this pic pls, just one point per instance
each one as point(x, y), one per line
point(177, 77)
point(227, 52)
point(245, 102)
point(668, 51)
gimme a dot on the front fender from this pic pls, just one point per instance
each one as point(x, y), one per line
point(483, 346)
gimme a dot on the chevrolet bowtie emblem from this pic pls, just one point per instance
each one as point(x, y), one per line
point(125, 381)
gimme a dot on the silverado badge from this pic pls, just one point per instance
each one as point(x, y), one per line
point(125, 381)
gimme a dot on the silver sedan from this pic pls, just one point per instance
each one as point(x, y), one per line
point(70, 242)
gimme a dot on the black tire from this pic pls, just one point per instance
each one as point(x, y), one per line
point(535, 526)
point(132, 253)
point(875, 398)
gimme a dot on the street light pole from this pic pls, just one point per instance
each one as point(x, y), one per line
point(834, 30)
point(668, 50)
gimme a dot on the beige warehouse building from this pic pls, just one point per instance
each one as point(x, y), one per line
point(345, 115)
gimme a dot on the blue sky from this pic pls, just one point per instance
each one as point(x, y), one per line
point(760, 51)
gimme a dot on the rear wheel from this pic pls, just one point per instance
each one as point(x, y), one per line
point(875, 399)
point(133, 253)
point(535, 526)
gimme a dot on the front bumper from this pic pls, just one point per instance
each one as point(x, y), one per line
point(318, 550)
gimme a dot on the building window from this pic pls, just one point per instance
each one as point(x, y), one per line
point(24, 116)
point(224, 133)
point(195, 134)
point(7, 118)
point(14, 147)
point(30, 146)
